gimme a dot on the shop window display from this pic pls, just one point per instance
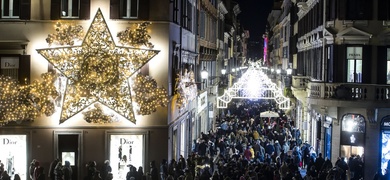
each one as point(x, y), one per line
point(352, 140)
point(385, 145)
point(126, 151)
point(13, 154)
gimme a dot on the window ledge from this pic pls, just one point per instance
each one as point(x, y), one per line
point(13, 44)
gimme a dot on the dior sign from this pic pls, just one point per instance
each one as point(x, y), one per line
point(7, 141)
point(9, 63)
point(126, 141)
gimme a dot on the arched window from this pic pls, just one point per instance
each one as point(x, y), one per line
point(353, 123)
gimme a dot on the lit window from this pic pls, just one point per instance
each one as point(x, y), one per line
point(10, 8)
point(70, 8)
point(355, 64)
point(129, 8)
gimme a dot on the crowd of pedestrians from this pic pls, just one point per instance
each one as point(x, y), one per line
point(243, 146)
point(246, 146)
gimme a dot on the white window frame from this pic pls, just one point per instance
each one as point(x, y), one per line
point(356, 62)
point(69, 13)
point(11, 3)
point(127, 14)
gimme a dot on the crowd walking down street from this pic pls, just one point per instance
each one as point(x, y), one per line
point(241, 146)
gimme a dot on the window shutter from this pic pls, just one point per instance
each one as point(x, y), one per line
point(367, 61)
point(368, 10)
point(85, 9)
point(143, 13)
point(24, 69)
point(382, 65)
point(25, 9)
point(342, 9)
point(383, 10)
point(114, 9)
point(330, 63)
point(332, 10)
point(55, 9)
point(339, 63)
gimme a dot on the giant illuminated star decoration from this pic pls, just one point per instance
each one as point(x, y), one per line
point(97, 71)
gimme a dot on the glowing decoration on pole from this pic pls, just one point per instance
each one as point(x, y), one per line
point(26, 102)
point(98, 71)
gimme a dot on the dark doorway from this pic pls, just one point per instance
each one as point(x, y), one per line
point(68, 146)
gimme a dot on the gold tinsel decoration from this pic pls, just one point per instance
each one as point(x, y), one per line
point(26, 102)
point(66, 34)
point(136, 37)
point(97, 115)
point(147, 95)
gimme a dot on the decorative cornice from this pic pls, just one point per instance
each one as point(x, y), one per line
point(353, 35)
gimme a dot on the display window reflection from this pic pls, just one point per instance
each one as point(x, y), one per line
point(353, 123)
point(14, 155)
point(385, 144)
point(352, 137)
point(125, 151)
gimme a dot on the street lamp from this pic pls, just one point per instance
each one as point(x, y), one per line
point(223, 71)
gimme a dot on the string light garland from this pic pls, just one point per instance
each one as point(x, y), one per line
point(26, 102)
point(136, 37)
point(96, 115)
point(147, 95)
point(66, 34)
point(98, 71)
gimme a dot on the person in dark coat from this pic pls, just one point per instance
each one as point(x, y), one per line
point(53, 165)
point(202, 148)
point(58, 173)
point(67, 171)
point(319, 162)
point(163, 169)
point(153, 171)
point(106, 169)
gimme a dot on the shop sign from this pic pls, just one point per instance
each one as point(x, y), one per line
point(354, 53)
point(352, 138)
point(386, 122)
point(9, 63)
point(202, 101)
point(328, 122)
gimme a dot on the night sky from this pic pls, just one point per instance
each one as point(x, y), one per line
point(253, 17)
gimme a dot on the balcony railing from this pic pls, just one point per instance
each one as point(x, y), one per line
point(342, 91)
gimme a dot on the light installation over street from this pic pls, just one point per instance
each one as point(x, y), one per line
point(254, 84)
